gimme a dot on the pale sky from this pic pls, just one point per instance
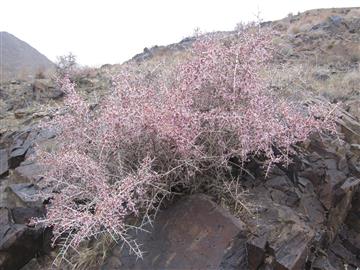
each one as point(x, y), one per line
point(109, 31)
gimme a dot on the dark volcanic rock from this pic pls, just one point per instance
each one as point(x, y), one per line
point(322, 263)
point(23, 143)
point(193, 233)
point(353, 219)
point(283, 237)
point(22, 215)
point(333, 180)
point(33, 265)
point(24, 194)
point(18, 149)
point(292, 252)
point(341, 255)
point(236, 255)
point(4, 166)
point(257, 249)
point(350, 239)
point(45, 89)
point(27, 172)
point(18, 243)
point(300, 215)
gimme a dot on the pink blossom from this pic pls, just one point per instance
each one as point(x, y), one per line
point(148, 135)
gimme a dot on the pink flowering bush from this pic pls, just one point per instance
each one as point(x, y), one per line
point(152, 133)
point(93, 194)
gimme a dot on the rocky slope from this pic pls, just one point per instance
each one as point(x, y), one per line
point(305, 216)
point(19, 59)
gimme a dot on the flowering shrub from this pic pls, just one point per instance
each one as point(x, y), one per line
point(66, 64)
point(92, 194)
point(150, 134)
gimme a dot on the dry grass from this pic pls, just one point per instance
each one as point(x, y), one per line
point(301, 80)
point(340, 86)
point(312, 37)
point(94, 254)
point(337, 52)
point(89, 256)
point(233, 196)
point(304, 21)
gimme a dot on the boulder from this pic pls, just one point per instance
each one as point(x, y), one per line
point(353, 218)
point(33, 265)
point(21, 143)
point(45, 89)
point(4, 166)
point(322, 263)
point(192, 233)
point(291, 252)
point(256, 247)
point(27, 172)
point(350, 239)
point(235, 256)
point(22, 215)
point(18, 243)
point(24, 195)
point(333, 180)
point(341, 255)
point(281, 240)
point(350, 127)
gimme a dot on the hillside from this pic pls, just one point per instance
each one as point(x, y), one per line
point(303, 215)
point(19, 59)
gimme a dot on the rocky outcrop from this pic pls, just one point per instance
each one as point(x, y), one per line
point(21, 199)
point(44, 89)
point(306, 218)
point(193, 233)
point(160, 50)
point(18, 242)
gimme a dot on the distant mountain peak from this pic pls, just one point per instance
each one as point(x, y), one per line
point(18, 59)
